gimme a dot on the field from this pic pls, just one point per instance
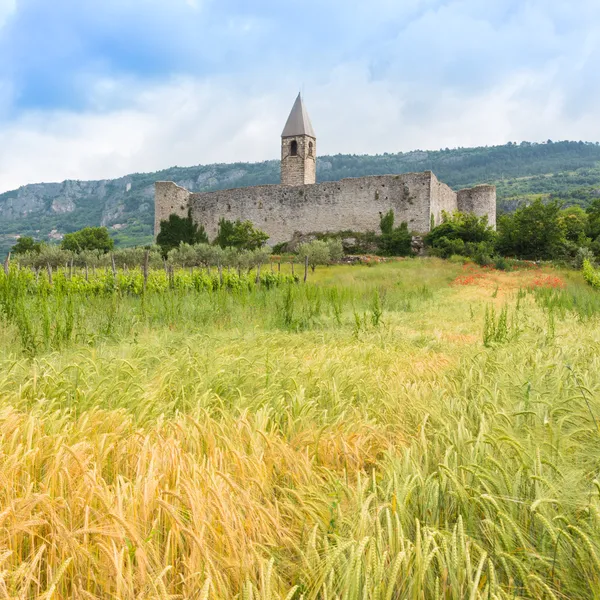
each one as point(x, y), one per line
point(419, 429)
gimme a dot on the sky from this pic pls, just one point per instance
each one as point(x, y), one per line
point(93, 89)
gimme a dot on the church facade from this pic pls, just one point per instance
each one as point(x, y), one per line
point(300, 206)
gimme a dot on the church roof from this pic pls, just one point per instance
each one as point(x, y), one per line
point(298, 122)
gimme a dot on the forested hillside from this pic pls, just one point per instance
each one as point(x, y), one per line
point(565, 170)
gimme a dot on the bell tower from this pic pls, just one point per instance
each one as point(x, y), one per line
point(298, 148)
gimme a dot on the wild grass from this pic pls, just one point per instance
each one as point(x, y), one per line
point(261, 444)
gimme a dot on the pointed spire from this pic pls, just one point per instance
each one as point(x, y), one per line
point(298, 122)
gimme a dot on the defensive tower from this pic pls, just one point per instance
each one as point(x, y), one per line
point(298, 148)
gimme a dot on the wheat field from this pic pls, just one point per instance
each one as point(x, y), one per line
point(419, 430)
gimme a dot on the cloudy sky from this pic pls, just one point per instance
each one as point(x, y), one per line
point(101, 88)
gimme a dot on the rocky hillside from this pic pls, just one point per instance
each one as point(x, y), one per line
point(570, 170)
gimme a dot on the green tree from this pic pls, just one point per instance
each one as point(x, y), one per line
point(317, 251)
point(176, 230)
point(239, 234)
point(533, 232)
point(88, 238)
point(593, 214)
point(574, 221)
point(26, 244)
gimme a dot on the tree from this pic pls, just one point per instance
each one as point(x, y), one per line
point(26, 244)
point(574, 221)
point(239, 234)
point(593, 214)
point(176, 230)
point(336, 249)
point(394, 241)
point(317, 252)
point(88, 238)
point(533, 232)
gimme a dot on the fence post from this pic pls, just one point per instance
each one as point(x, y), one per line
point(258, 274)
point(146, 260)
point(71, 269)
point(305, 268)
point(114, 267)
point(49, 273)
point(7, 264)
point(87, 273)
point(292, 262)
point(220, 274)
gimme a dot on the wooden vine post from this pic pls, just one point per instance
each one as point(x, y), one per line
point(305, 268)
point(146, 261)
point(7, 264)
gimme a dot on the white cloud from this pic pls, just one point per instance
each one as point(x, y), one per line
point(190, 121)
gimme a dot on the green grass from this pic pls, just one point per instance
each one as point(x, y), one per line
point(349, 438)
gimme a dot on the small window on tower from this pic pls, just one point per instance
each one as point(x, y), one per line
point(310, 148)
point(294, 148)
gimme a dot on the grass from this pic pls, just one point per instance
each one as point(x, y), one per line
point(351, 438)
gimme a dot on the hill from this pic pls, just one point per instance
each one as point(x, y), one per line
point(566, 170)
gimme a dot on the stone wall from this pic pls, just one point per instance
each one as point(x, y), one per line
point(480, 200)
point(169, 199)
point(348, 205)
point(302, 168)
point(443, 198)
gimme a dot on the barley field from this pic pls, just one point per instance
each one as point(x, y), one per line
point(419, 429)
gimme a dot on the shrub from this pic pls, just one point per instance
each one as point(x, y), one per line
point(462, 233)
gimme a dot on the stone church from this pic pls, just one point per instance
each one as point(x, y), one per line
point(300, 206)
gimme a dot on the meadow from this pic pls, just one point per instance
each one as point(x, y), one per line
point(420, 429)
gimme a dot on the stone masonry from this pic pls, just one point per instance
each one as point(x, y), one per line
point(347, 205)
point(300, 206)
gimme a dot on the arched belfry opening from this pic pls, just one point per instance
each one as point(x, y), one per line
point(298, 148)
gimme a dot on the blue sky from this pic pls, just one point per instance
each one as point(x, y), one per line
point(101, 88)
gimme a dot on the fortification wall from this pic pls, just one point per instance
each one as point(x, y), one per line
point(350, 204)
point(480, 200)
point(443, 198)
point(169, 199)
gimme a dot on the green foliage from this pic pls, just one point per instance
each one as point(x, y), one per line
point(535, 231)
point(591, 275)
point(386, 223)
point(574, 222)
point(462, 234)
point(26, 244)
point(593, 225)
point(239, 234)
point(317, 251)
point(176, 230)
point(88, 238)
point(394, 241)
